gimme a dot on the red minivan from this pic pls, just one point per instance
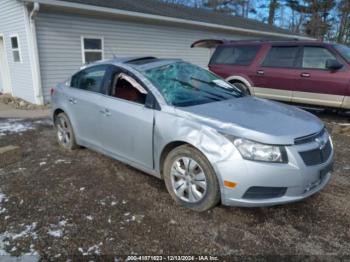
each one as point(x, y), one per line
point(304, 72)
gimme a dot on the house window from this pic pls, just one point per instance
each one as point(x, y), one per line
point(92, 49)
point(16, 54)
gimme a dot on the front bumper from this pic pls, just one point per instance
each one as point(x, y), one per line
point(299, 180)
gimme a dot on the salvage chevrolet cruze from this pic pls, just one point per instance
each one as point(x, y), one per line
point(202, 135)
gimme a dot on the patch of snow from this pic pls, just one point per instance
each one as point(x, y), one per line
point(62, 161)
point(89, 218)
point(6, 237)
point(7, 217)
point(44, 122)
point(95, 249)
point(2, 197)
point(82, 189)
point(2, 210)
point(12, 126)
point(126, 214)
point(29, 230)
point(124, 202)
point(113, 203)
point(42, 163)
point(55, 233)
point(62, 223)
point(82, 251)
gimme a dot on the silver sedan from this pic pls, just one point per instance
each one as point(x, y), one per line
point(182, 123)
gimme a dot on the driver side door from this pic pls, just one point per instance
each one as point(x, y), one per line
point(127, 124)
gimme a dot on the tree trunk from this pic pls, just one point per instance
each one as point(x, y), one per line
point(272, 11)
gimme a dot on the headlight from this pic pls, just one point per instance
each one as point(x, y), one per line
point(251, 150)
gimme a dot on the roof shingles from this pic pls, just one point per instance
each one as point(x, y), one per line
point(157, 7)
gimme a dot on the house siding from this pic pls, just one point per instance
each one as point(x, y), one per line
point(13, 22)
point(59, 42)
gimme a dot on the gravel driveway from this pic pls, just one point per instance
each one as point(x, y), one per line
point(55, 204)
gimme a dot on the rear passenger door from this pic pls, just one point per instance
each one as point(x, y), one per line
point(83, 103)
point(319, 85)
point(278, 73)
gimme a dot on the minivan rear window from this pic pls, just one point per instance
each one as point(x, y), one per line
point(281, 56)
point(234, 55)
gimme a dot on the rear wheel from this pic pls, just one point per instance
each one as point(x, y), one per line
point(190, 179)
point(241, 86)
point(64, 131)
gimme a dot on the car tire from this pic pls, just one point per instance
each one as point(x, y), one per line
point(64, 132)
point(199, 169)
point(241, 86)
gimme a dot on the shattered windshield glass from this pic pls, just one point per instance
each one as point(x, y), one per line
point(184, 84)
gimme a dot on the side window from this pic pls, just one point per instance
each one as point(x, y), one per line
point(92, 49)
point(281, 56)
point(90, 79)
point(316, 57)
point(16, 53)
point(127, 88)
point(235, 55)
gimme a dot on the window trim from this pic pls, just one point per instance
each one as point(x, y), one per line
point(83, 50)
point(16, 49)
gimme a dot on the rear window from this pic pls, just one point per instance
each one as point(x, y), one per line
point(235, 55)
point(281, 56)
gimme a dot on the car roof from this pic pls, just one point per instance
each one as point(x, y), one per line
point(273, 42)
point(139, 63)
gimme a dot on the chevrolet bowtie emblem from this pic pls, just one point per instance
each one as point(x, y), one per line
point(321, 142)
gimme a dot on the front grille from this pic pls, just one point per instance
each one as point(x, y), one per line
point(317, 156)
point(259, 192)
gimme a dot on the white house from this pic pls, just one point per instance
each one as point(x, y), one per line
point(42, 42)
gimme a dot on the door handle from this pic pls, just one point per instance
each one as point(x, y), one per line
point(260, 72)
point(305, 75)
point(72, 101)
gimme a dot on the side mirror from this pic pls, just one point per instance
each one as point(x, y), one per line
point(333, 64)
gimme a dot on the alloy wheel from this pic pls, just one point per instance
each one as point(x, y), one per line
point(63, 132)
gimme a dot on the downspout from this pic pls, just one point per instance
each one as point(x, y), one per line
point(37, 76)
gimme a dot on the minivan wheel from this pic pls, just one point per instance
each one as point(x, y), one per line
point(241, 86)
point(190, 179)
point(64, 131)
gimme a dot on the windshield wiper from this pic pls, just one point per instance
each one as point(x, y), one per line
point(215, 96)
point(183, 83)
point(213, 83)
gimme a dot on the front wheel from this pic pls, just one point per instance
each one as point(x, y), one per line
point(242, 87)
point(190, 179)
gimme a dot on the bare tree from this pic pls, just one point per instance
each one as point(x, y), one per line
point(272, 11)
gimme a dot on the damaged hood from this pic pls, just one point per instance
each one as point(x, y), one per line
point(256, 119)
